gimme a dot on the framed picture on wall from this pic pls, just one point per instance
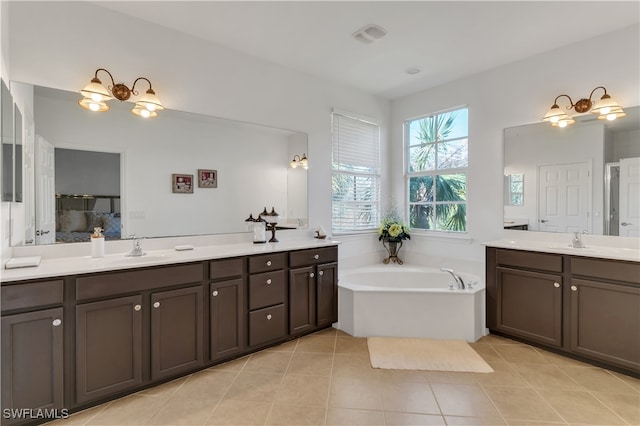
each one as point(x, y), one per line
point(207, 178)
point(182, 184)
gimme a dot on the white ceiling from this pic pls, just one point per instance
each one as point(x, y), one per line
point(448, 40)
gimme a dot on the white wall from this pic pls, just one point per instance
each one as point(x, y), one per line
point(5, 207)
point(512, 95)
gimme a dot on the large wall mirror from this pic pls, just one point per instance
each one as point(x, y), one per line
point(117, 170)
point(585, 177)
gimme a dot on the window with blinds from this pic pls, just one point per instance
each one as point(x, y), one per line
point(355, 181)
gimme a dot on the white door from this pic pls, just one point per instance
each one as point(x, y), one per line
point(630, 197)
point(564, 203)
point(45, 192)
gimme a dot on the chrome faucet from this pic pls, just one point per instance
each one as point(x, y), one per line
point(136, 250)
point(577, 239)
point(456, 277)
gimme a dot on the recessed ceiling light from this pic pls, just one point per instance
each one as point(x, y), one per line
point(413, 70)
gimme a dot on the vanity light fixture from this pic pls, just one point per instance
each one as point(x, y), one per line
point(300, 162)
point(95, 96)
point(606, 108)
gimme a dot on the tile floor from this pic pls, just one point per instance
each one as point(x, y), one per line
point(326, 379)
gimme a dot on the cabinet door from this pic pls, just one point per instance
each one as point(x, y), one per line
point(32, 360)
point(302, 300)
point(108, 347)
point(226, 318)
point(530, 305)
point(327, 294)
point(176, 331)
point(605, 322)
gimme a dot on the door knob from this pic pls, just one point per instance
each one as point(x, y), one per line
point(156, 305)
point(137, 307)
point(321, 273)
point(574, 288)
point(626, 224)
point(311, 274)
point(56, 322)
point(268, 263)
point(544, 220)
point(556, 285)
point(269, 281)
point(316, 257)
point(215, 293)
point(269, 317)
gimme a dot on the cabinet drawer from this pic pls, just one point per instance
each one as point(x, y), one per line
point(266, 325)
point(313, 256)
point(607, 269)
point(529, 260)
point(266, 289)
point(32, 295)
point(226, 268)
point(135, 281)
point(266, 262)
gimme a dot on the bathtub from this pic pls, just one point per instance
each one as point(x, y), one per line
point(406, 301)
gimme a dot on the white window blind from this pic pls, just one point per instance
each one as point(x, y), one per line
point(356, 174)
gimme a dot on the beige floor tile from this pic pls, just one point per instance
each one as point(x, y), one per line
point(403, 375)
point(303, 390)
point(233, 412)
point(311, 364)
point(520, 354)
point(631, 381)
point(298, 416)
point(321, 344)
point(561, 360)
point(355, 392)
point(494, 339)
point(351, 345)
point(81, 417)
point(521, 404)
point(183, 411)
point(409, 397)
point(130, 410)
point(580, 407)
point(329, 331)
point(401, 419)
point(353, 365)
point(487, 352)
point(268, 362)
point(233, 365)
point(597, 379)
point(165, 390)
point(516, 422)
point(250, 386)
point(289, 346)
point(504, 374)
point(546, 377)
point(349, 416)
point(474, 421)
point(206, 385)
point(463, 400)
point(626, 405)
point(342, 333)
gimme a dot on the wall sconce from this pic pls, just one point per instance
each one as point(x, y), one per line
point(300, 162)
point(96, 96)
point(606, 108)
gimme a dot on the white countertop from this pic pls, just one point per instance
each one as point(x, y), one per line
point(56, 267)
point(598, 251)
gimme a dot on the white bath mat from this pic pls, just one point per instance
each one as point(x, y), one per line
point(393, 353)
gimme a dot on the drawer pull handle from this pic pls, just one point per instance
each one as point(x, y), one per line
point(137, 307)
point(156, 305)
point(311, 274)
point(556, 285)
point(56, 322)
point(269, 317)
point(215, 293)
point(316, 257)
point(321, 273)
point(574, 288)
point(268, 263)
point(269, 281)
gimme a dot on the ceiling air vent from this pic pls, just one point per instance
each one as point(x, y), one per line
point(369, 34)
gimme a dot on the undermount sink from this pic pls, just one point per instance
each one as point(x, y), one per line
point(131, 260)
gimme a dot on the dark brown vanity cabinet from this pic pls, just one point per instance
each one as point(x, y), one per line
point(226, 308)
point(583, 306)
point(313, 287)
point(267, 297)
point(32, 346)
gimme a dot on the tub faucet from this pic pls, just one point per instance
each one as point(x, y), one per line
point(456, 277)
point(136, 250)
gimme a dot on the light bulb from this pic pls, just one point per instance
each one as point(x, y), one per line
point(611, 117)
point(144, 113)
point(555, 119)
point(150, 107)
point(605, 110)
point(94, 106)
point(562, 124)
point(96, 97)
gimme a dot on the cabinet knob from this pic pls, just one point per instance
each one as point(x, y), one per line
point(268, 263)
point(311, 274)
point(215, 293)
point(56, 322)
point(321, 273)
point(137, 307)
point(556, 285)
point(269, 281)
point(574, 288)
point(316, 257)
point(269, 316)
point(156, 305)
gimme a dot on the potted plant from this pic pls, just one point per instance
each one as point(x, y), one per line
point(392, 231)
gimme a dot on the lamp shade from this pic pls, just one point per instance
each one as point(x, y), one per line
point(605, 106)
point(555, 114)
point(96, 91)
point(91, 105)
point(567, 121)
point(304, 161)
point(612, 114)
point(150, 101)
point(143, 112)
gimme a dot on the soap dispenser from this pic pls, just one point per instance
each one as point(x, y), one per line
point(97, 243)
